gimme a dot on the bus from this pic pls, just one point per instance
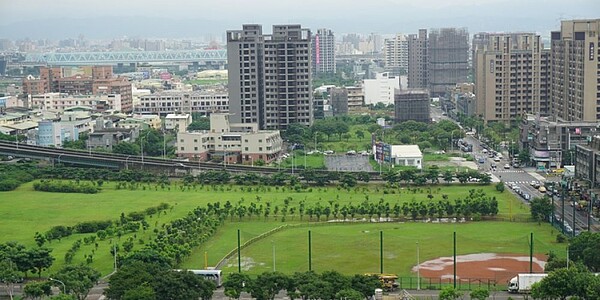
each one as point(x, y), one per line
point(213, 275)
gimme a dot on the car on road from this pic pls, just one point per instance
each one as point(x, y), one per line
point(496, 159)
point(351, 152)
point(507, 166)
point(328, 152)
point(484, 151)
point(526, 196)
point(481, 160)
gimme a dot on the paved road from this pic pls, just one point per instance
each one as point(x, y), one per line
point(352, 163)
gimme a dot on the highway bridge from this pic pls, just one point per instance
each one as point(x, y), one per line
point(171, 167)
point(126, 57)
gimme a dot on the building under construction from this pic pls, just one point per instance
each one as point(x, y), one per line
point(448, 52)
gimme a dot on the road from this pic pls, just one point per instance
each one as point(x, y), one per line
point(522, 178)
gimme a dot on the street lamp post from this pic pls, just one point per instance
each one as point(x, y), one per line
point(142, 146)
point(418, 269)
point(63, 284)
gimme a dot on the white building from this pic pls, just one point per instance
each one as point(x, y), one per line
point(233, 143)
point(407, 155)
point(169, 102)
point(179, 122)
point(381, 89)
point(59, 101)
point(396, 55)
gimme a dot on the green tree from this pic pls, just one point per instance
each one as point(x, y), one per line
point(365, 284)
point(479, 294)
point(37, 290)
point(563, 283)
point(182, 285)
point(9, 276)
point(141, 292)
point(40, 259)
point(126, 148)
point(235, 284)
point(267, 285)
point(541, 208)
point(199, 123)
point(449, 293)
point(130, 275)
point(78, 279)
point(500, 187)
point(584, 248)
point(360, 134)
point(349, 294)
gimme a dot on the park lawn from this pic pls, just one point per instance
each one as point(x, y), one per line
point(354, 248)
point(26, 211)
point(343, 145)
point(315, 161)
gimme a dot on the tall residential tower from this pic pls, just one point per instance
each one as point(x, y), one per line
point(417, 60)
point(575, 67)
point(323, 52)
point(448, 59)
point(270, 76)
point(511, 76)
point(396, 55)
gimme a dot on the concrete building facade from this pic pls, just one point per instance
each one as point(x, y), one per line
point(338, 98)
point(511, 76)
point(270, 78)
point(178, 122)
point(94, 80)
point(170, 102)
point(395, 53)
point(575, 71)
point(323, 52)
point(381, 89)
point(418, 60)
point(552, 142)
point(412, 105)
point(448, 59)
point(229, 142)
point(60, 101)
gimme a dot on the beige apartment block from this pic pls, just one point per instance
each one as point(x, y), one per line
point(575, 67)
point(511, 76)
point(230, 143)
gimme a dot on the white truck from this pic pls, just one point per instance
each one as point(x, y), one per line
point(522, 282)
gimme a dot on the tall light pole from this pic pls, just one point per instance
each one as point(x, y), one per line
point(273, 245)
point(142, 146)
point(418, 269)
point(63, 284)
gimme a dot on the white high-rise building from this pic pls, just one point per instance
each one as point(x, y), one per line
point(396, 55)
point(323, 52)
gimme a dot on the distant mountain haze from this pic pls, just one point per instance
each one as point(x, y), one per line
point(106, 19)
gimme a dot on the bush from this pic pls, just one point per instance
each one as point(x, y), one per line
point(92, 226)
point(561, 238)
point(58, 232)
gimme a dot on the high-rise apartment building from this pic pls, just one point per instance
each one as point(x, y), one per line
point(575, 67)
point(396, 55)
point(323, 52)
point(511, 76)
point(448, 59)
point(270, 76)
point(417, 60)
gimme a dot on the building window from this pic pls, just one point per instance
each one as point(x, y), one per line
point(182, 148)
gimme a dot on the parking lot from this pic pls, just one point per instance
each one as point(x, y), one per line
point(352, 163)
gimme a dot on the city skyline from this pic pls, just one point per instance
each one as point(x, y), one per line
point(180, 19)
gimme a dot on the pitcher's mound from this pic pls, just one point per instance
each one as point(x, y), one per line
point(497, 267)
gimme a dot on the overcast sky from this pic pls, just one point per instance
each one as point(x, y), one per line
point(196, 18)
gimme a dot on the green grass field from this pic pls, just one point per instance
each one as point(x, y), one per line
point(25, 212)
point(206, 81)
point(315, 161)
point(354, 248)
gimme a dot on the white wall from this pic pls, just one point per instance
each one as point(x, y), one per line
point(381, 89)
